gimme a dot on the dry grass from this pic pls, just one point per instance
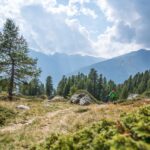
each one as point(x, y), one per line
point(34, 125)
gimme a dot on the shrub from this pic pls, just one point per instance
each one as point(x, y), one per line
point(147, 94)
point(5, 115)
point(106, 135)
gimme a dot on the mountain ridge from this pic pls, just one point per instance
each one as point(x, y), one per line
point(60, 64)
point(121, 67)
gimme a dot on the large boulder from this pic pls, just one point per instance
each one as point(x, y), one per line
point(76, 98)
point(81, 99)
point(85, 100)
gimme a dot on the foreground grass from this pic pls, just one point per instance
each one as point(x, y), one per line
point(31, 127)
point(131, 131)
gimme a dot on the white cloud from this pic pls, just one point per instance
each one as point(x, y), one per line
point(53, 27)
point(88, 12)
point(129, 30)
point(56, 34)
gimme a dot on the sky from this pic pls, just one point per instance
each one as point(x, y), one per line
point(101, 28)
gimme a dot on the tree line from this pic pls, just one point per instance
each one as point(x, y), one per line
point(94, 83)
point(36, 88)
point(100, 87)
point(139, 83)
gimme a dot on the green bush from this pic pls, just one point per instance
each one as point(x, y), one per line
point(5, 115)
point(138, 124)
point(120, 142)
point(132, 132)
point(147, 94)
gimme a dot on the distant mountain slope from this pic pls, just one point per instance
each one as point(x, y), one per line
point(58, 64)
point(120, 68)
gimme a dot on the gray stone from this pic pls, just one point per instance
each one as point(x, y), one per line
point(75, 98)
point(57, 99)
point(23, 107)
point(132, 96)
point(81, 99)
point(85, 100)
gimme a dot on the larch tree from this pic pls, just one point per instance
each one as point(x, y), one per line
point(15, 64)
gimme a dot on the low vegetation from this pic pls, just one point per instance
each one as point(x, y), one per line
point(45, 119)
point(130, 132)
point(6, 115)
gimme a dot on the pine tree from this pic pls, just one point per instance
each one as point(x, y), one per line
point(100, 87)
point(61, 86)
point(66, 89)
point(49, 86)
point(93, 76)
point(73, 89)
point(15, 63)
point(35, 87)
point(148, 85)
point(124, 93)
point(142, 87)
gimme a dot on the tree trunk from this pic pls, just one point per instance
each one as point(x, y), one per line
point(11, 84)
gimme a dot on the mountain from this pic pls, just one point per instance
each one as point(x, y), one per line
point(60, 64)
point(120, 68)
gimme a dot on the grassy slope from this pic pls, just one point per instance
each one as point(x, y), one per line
point(43, 119)
point(130, 132)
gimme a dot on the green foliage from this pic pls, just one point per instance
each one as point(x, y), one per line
point(124, 93)
point(49, 86)
point(3, 84)
point(136, 84)
point(34, 88)
point(73, 90)
point(5, 115)
point(132, 132)
point(147, 94)
point(95, 84)
point(16, 65)
point(99, 87)
point(120, 142)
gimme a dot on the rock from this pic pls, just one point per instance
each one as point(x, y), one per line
point(85, 100)
point(57, 99)
point(132, 96)
point(23, 107)
point(75, 98)
point(81, 99)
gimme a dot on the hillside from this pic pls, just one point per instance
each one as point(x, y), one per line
point(45, 118)
point(59, 64)
point(120, 68)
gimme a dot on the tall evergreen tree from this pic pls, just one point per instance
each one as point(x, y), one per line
point(61, 86)
point(49, 86)
point(124, 93)
point(100, 88)
point(34, 88)
point(15, 63)
point(93, 76)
